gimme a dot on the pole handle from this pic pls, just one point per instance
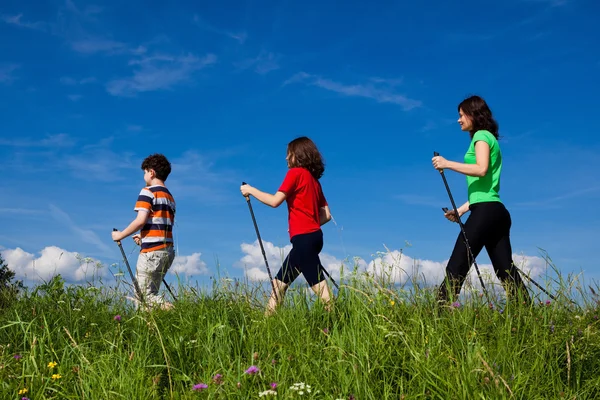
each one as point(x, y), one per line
point(114, 230)
point(247, 197)
point(435, 154)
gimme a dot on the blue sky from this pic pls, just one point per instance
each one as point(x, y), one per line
point(87, 90)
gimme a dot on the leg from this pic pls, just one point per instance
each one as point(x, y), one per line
point(276, 299)
point(500, 252)
point(282, 281)
point(321, 289)
point(312, 269)
point(460, 260)
point(151, 269)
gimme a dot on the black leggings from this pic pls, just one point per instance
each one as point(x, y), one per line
point(488, 226)
point(303, 258)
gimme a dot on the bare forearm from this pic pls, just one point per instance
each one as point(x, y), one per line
point(467, 169)
point(464, 208)
point(133, 227)
point(265, 198)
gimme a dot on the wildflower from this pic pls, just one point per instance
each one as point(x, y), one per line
point(267, 393)
point(117, 318)
point(501, 311)
point(17, 356)
point(252, 370)
point(24, 398)
point(273, 362)
point(548, 302)
point(199, 387)
point(56, 376)
point(23, 391)
point(325, 331)
point(456, 304)
point(52, 364)
point(392, 302)
point(273, 385)
point(218, 379)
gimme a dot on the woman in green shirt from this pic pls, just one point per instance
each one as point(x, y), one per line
point(489, 222)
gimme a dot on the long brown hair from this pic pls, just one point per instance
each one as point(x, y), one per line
point(477, 109)
point(306, 155)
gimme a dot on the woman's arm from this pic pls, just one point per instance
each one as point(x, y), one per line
point(480, 168)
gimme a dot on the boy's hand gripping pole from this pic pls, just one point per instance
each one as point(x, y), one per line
point(462, 228)
point(261, 245)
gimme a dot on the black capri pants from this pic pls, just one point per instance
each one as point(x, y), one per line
point(488, 226)
point(303, 258)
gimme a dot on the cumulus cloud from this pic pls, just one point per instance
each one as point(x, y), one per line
point(50, 262)
point(189, 265)
point(392, 266)
point(254, 263)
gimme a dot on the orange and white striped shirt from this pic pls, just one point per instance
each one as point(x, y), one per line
point(157, 233)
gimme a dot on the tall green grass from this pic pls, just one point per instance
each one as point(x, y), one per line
point(379, 342)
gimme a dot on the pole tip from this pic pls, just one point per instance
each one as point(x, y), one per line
point(244, 183)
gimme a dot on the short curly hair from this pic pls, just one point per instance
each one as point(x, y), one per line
point(477, 109)
point(160, 165)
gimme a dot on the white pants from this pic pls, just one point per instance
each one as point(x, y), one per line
point(150, 271)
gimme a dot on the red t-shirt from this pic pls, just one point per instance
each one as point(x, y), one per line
point(304, 197)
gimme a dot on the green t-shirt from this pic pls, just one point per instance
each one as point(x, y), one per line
point(485, 188)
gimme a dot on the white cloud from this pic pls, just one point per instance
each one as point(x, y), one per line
point(159, 72)
point(254, 263)
point(52, 261)
point(380, 90)
point(189, 265)
point(392, 266)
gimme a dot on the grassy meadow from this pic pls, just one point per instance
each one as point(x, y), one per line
point(380, 341)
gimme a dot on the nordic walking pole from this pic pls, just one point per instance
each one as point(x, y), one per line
point(261, 245)
point(169, 289)
point(332, 281)
point(462, 228)
point(133, 279)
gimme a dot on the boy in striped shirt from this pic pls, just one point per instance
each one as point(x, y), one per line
point(155, 208)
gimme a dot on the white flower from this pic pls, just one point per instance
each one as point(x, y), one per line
point(267, 393)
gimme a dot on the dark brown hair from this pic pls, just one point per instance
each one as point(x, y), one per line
point(477, 109)
point(160, 165)
point(306, 155)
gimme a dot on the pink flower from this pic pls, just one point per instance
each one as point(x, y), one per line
point(273, 385)
point(117, 318)
point(200, 387)
point(252, 370)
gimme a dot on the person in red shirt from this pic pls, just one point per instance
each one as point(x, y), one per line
point(307, 211)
